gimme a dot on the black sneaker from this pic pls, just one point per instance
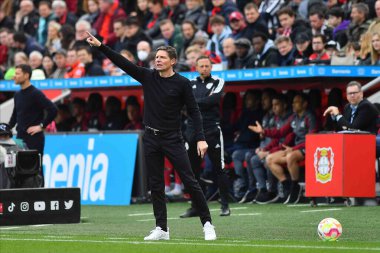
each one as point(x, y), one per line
point(295, 195)
point(248, 196)
point(225, 211)
point(267, 198)
point(189, 213)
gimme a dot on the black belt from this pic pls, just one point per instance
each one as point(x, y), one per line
point(154, 130)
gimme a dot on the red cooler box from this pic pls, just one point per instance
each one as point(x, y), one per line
point(340, 165)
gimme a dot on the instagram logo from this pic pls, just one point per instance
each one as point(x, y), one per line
point(24, 206)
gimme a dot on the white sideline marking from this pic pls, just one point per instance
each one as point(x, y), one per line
point(139, 214)
point(199, 244)
point(177, 239)
point(175, 218)
point(245, 214)
point(7, 228)
point(321, 210)
point(297, 205)
point(213, 210)
point(303, 205)
point(58, 236)
point(38, 225)
point(232, 208)
point(41, 225)
point(155, 219)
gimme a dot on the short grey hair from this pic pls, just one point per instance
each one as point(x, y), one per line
point(59, 3)
point(84, 23)
point(36, 54)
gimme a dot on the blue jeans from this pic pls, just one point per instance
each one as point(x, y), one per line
point(259, 171)
point(251, 177)
point(241, 183)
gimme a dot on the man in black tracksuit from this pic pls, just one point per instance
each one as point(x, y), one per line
point(208, 92)
point(166, 93)
point(29, 109)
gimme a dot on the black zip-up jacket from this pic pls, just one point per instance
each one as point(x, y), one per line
point(207, 93)
point(30, 105)
point(93, 69)
point(163, 97)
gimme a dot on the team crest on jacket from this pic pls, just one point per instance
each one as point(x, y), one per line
point(324, 164)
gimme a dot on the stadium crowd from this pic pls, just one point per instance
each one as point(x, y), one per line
point(50, 36)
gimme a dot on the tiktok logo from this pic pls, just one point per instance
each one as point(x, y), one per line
point(11, 208)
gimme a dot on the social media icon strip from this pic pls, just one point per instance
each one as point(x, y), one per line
point(54, 205)
point(11, 207)
point(24, 206)
point(39, 206)
point(68, 204)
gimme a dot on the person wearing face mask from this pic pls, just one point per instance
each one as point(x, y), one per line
point(143, 51)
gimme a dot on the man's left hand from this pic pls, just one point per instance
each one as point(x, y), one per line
point(202, 148)
point(34, 129)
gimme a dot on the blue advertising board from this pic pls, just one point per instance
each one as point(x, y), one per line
point(227, 75)
point(102, 165)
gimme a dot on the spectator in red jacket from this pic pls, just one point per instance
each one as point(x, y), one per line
point(109, 12)
point(75, 67)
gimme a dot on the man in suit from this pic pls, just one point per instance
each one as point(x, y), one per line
point(358, 114)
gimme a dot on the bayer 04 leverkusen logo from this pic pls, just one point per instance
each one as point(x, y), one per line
point(323, 164)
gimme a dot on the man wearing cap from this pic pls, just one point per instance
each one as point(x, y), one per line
point(237, 24)
point(129, 34)
point(244, 52)
point(304, 48)
point(332, 49)
point(59, 58)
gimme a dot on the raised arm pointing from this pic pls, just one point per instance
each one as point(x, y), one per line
point(92, 40)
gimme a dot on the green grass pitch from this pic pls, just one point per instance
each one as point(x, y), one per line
point(250, 228)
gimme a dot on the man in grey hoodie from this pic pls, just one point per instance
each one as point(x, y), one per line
point(265, 53)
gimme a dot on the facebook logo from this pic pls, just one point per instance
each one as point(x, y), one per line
point(54, 205)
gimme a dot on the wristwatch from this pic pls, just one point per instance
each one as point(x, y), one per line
point(42, 125)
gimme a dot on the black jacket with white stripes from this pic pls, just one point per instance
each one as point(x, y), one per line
point(207, 94)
